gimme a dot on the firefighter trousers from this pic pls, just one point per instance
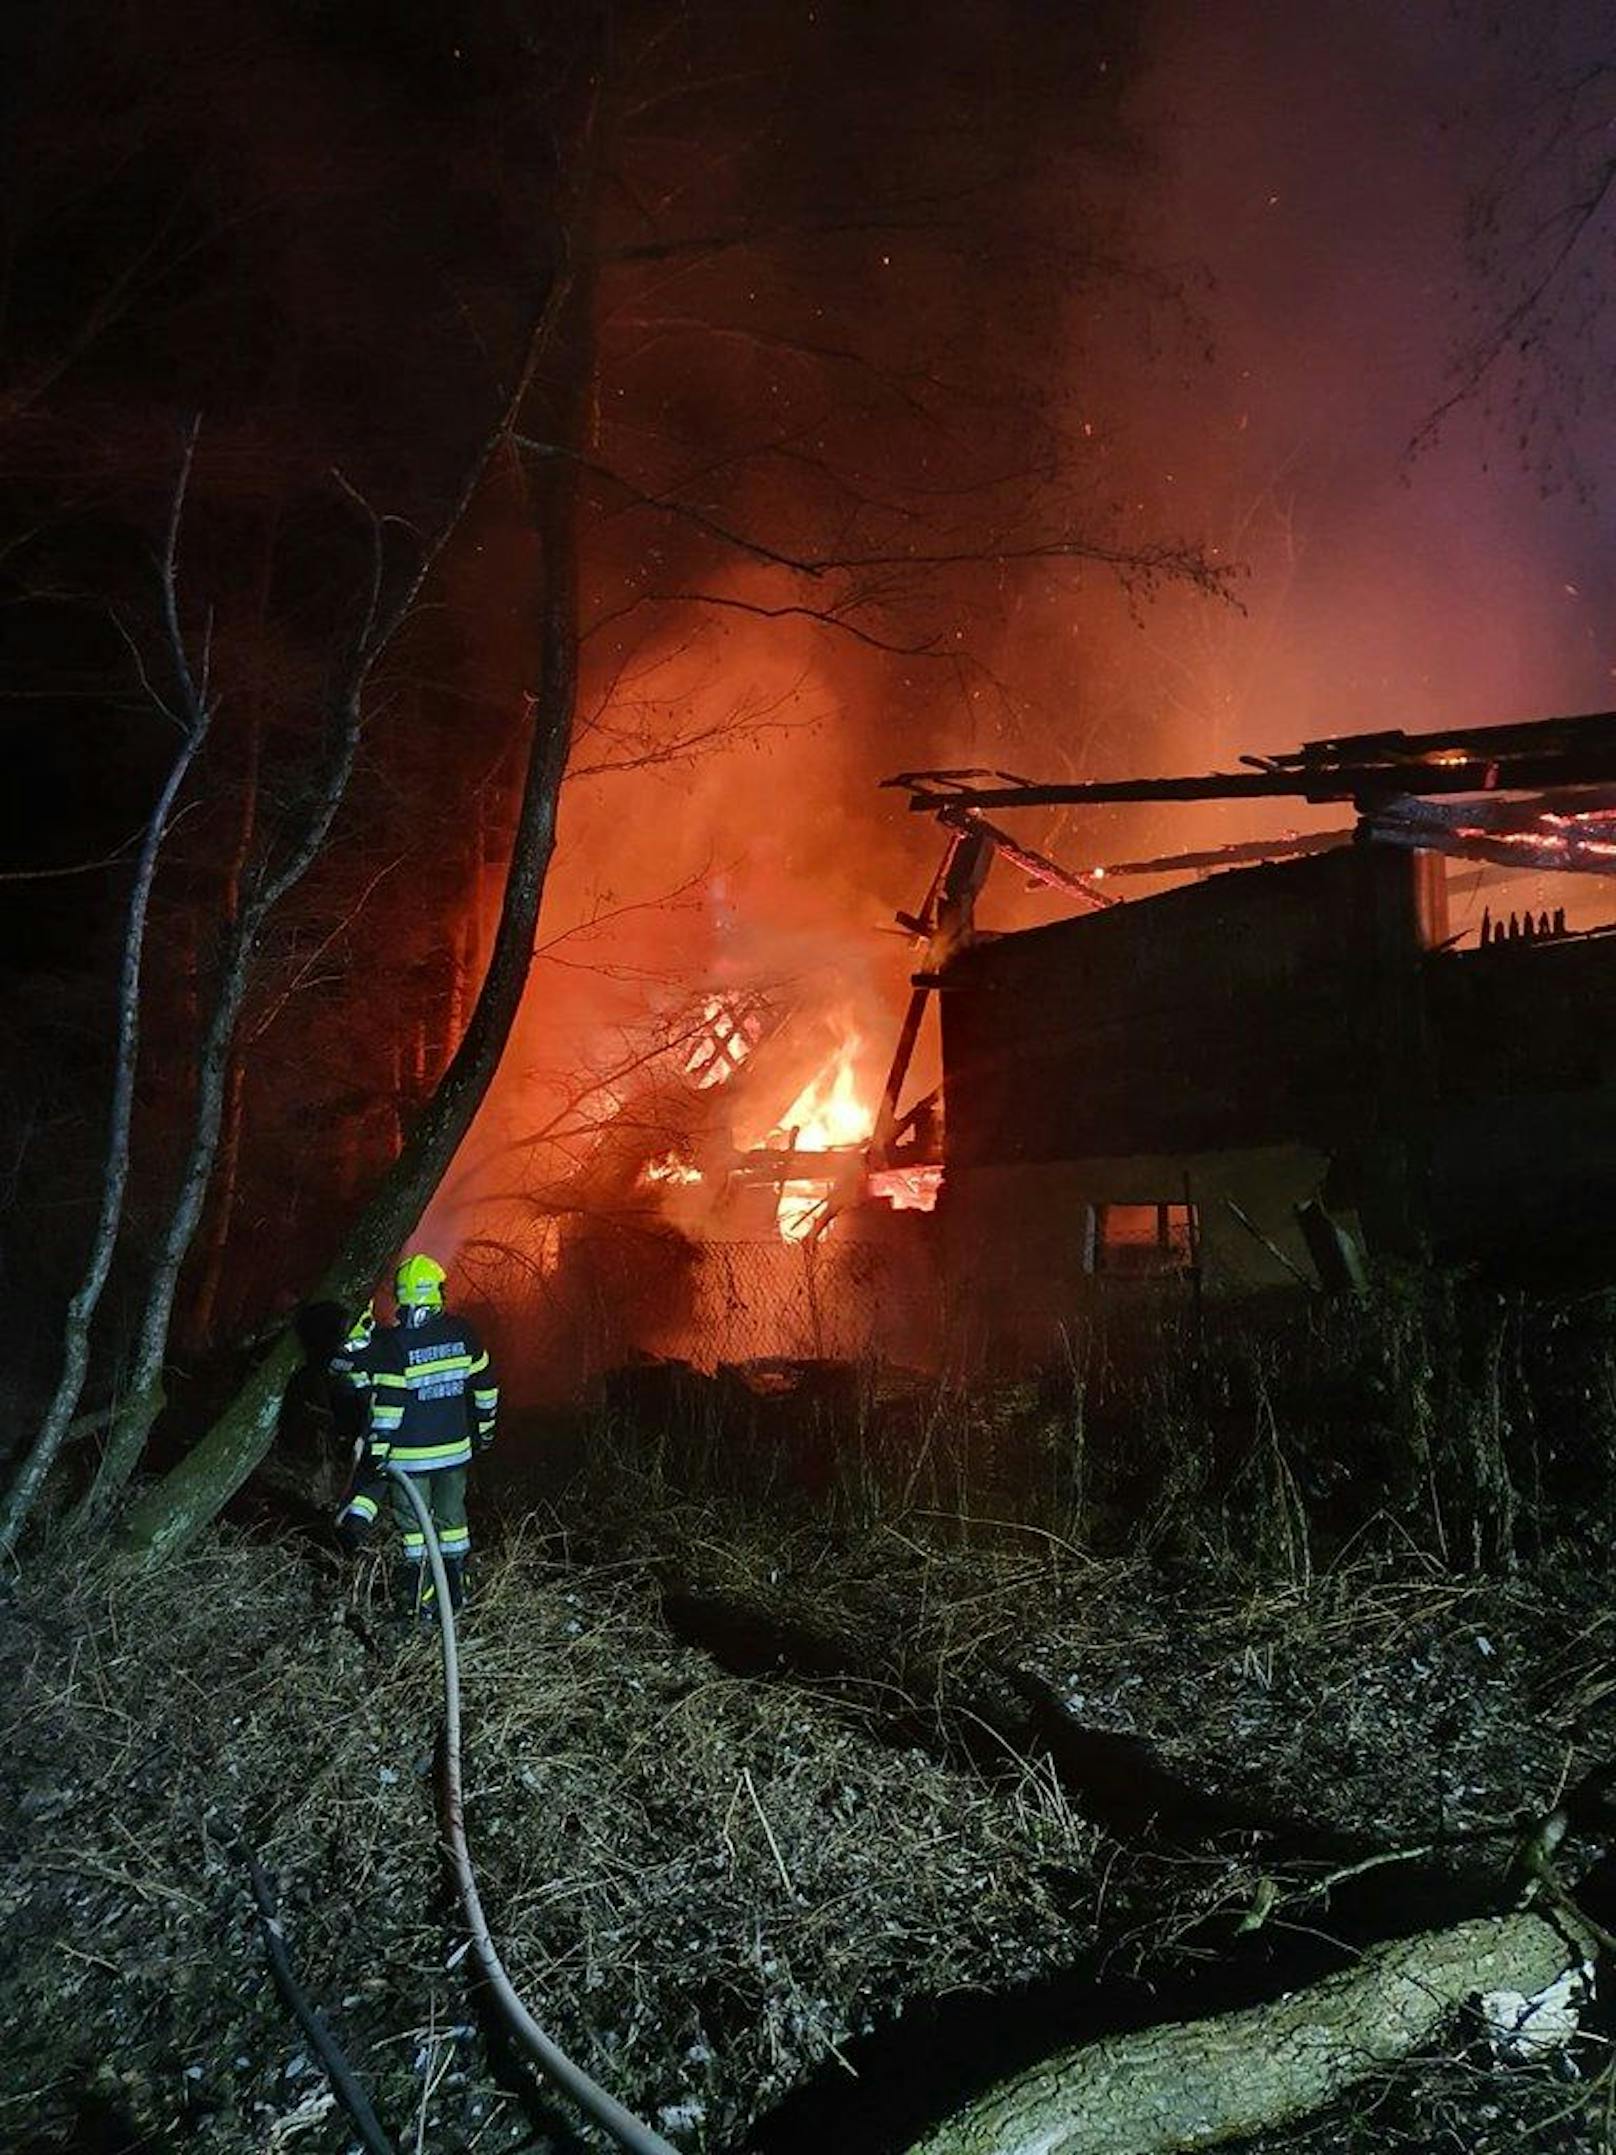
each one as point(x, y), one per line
point(444, 1494)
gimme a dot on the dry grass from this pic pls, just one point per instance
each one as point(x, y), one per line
point(1417, 1707)
point(703, 1885)
point(1381, 1698)
point(1380, 1694)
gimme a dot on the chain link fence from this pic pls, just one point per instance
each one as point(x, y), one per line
point(607, 1299)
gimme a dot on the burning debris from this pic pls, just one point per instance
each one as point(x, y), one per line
point(669, 1168)
point(825, 1126)
point(1256, 1078)
point(816, 1156)
point(732, 1028)
point(907, 1189)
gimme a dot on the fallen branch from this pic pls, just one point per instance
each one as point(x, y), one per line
point(1191, 2084)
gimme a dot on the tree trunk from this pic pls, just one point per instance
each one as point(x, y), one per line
point(205, 1311)
point(144, 1399)
point(1191, 2084)
point(467, 969)
point(30, 1477)
point(200, 1325)
point(170, 1515)
point(193, 718)
point(253, 899)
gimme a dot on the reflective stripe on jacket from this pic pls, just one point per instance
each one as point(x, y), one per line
point(433, 1391)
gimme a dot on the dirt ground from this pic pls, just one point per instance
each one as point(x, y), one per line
point(788, 1834)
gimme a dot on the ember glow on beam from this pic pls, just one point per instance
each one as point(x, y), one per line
point(1364, 768)
point(1561, 838)
point(1036, 865)
point(1554, 852)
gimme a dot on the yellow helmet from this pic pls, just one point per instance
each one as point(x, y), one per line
point(359, 1332)
point(418, 1282)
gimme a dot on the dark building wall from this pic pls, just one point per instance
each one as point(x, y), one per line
point(1528, 1017)
point(1522, 1142)
point(1264, 1005)
point(1229, 1031)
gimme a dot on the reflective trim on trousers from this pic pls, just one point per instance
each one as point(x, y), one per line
point(431, 1458)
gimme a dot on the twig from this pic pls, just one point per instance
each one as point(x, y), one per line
point(1320, 1886)
point(768, 1833)
point(1011, 1526)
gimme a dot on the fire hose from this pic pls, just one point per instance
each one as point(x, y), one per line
point(344, 2083)
point(627, 2130)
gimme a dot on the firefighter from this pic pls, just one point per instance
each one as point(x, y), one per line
point(349, 1369)
point(349, 1384)
point(433, 1398)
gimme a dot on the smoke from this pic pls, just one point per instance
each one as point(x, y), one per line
point(1321, 167)
point(825, 343)
point(945, 364)
point(1314, 183)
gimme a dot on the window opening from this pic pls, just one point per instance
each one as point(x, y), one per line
point(1145, 1241)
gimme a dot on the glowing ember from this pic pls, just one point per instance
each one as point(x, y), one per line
point(1542, 841)
point(669, 1168)
point(907, 1189)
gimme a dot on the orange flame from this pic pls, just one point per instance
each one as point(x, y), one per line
point(827, 1127)
point(829, 1111)
point(828, 1114)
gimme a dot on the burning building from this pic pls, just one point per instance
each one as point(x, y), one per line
point(1281, 1067)
point(1269, 1077)
point(714, 1197)
point(1217, 1082)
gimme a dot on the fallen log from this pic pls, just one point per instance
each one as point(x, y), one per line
point(1192, 2084)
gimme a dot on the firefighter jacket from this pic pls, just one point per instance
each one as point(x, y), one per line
point(350, 1373)
point(433, 1392)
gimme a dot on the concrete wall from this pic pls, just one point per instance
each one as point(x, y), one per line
point(1017, 1243)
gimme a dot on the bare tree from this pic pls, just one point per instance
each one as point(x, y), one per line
point(187, 707)
point(981, 497)
point(267, 886)
point(559, 371)
point(1540, 227)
